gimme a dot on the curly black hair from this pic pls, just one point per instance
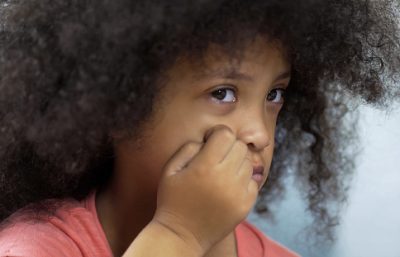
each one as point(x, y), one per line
point(71, 71)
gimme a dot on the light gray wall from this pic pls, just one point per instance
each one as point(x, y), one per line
point(371, 221)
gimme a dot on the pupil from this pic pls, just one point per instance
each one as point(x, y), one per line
point(219, 94)
point(272, 95)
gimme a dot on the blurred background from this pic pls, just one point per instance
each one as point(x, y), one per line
point(370, 225)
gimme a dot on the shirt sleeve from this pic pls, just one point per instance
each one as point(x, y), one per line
point(251, 242)
point(72, 230)
point(36, 240)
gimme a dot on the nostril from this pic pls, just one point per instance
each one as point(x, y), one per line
point(252, 146)
point(257, 147)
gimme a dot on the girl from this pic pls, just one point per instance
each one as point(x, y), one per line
point(146, 128)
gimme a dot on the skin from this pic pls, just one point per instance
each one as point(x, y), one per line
point(215, 118)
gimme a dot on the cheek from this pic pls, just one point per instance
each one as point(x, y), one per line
point(268, 155)
point(187, 124)
point(168, 137)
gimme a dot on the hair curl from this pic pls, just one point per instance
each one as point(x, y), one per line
point(71, 71)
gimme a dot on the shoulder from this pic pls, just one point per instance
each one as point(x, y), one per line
point(252, 242)
point(72, 229)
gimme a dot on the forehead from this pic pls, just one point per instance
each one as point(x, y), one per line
point(216, 62)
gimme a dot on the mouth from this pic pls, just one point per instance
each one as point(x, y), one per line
point(258, 175)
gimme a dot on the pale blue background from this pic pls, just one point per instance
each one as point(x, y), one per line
point(371, 222)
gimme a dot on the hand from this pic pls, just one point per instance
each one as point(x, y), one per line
point(206, 189)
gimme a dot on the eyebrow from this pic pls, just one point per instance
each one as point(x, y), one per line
point(233, 74)
point(283, 75)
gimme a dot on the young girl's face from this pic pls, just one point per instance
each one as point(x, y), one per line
point(246, 96)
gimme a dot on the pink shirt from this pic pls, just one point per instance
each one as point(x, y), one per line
point(74, 230)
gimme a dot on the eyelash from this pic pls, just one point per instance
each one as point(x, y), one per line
point(224, 89)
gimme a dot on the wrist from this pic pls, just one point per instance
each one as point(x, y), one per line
point(159, 240)
point(180, 236)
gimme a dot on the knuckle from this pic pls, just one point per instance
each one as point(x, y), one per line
point(192, 147)
point(226, 134)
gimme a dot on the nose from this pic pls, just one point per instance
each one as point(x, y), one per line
point(256, 131)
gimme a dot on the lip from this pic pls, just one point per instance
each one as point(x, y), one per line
point(258, 175)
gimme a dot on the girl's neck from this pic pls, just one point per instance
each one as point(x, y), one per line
point(123, 216)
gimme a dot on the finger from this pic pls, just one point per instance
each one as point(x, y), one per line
point(218, 141)
point(252, 191)
point(249, 196)
point(236, 156)
point(182, 157)
point(245, 172)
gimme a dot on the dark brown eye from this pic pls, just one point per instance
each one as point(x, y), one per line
point(224, 95)
point(276, 95)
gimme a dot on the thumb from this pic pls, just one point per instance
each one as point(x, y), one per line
point(181, 158)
